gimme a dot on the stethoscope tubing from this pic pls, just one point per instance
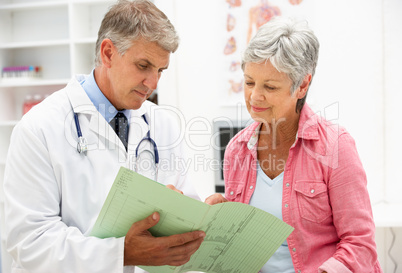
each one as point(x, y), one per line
point(77, 125)
point(82, 145)
point(148, 137)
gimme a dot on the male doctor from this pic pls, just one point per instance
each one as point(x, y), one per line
point(54, 193)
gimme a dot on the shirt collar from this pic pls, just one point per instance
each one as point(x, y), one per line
point(308, 124)
point(254, 136)
point(102, 104)
point(308, 128)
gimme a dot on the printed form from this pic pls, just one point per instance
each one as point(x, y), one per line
point(239, 238)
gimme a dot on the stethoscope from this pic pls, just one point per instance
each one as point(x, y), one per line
point(82, 145)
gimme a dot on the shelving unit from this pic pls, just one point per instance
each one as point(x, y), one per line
point(57, 35)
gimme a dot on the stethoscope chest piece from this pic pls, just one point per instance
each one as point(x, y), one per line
point(82, 145)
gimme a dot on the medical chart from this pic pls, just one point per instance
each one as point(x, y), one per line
point(239, 237)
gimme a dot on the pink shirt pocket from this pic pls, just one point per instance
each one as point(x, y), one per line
point(313, 200)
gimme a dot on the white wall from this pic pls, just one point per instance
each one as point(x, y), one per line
point(355, 85)
point(350, 74)
point(196, 78)
point(392, 99)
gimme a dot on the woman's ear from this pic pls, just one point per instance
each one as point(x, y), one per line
point(107, 50)
point(302, 90)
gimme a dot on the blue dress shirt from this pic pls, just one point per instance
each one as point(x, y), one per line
point(102, 104)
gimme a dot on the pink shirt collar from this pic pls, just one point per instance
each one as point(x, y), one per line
point(308, 128)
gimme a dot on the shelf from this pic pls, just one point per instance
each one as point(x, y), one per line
point(57, 35)
point(8, 123)
point(83, 41)
point(34, 25)
point(48, 43)
point(88, 17)
point(32, 5)
point(32, 83)
point(29, 5)
point(93, 1)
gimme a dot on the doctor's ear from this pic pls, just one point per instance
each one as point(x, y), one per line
point(107, 50)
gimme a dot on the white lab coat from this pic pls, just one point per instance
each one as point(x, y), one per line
point(53, 194)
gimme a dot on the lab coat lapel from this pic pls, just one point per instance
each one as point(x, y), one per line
point(138, 129)
point(143, 162)
point(81, 104)
point(99, 126)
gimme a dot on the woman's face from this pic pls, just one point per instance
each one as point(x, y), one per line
point(267, 93)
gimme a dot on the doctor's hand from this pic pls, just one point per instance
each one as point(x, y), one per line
point(141, 248)
point(215, 199)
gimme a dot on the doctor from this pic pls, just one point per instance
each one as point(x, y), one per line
point(54, 191)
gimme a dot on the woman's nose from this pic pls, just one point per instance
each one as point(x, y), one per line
point(257, 94)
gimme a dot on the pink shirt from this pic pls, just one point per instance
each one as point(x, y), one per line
point(325, 196)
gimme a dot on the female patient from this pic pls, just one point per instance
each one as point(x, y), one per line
point(296, 165)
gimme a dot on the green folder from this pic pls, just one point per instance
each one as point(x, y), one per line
point(239, 238)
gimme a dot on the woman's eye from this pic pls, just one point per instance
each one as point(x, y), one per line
point(249, 83)
point(270, 87)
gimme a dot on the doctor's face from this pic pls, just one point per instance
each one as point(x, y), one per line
point(134, 75)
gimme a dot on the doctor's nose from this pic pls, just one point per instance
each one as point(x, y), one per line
point(151, 81)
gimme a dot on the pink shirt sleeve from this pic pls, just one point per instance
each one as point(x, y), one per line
point(352, 214)
point(333, 265)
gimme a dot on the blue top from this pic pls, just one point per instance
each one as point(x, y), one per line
point(268, 197)
point(102, 104)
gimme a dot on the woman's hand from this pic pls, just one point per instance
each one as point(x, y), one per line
point(170, 186)
point(215, 199)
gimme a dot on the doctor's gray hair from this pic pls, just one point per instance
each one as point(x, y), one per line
point(127, 21)
point(290, 46)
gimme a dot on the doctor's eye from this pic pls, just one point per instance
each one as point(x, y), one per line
point(143, 66)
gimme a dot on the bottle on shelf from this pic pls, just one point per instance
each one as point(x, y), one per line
point(27, 105)
point(21, 72)
point(30, 101)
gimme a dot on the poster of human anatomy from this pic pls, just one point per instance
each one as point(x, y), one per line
point(242, 19)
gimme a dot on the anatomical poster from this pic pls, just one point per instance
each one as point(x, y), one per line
point(242, 19)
